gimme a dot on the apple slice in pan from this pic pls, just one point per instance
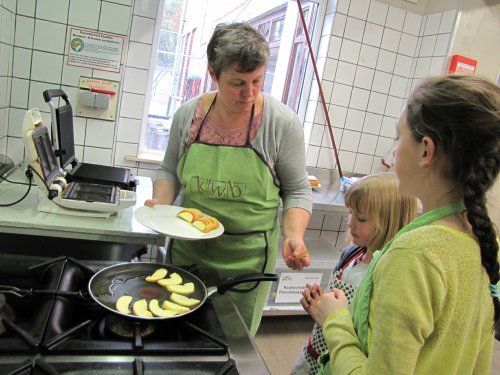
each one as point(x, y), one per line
point(174, 279)
point(183, 300)
point(140, 308)
point(123, 304)
point(167, 305)
point(184, 289)
point(159, 274)
point(155, 308)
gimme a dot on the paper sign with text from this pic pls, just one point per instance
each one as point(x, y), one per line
point(291, 285)
point(95, 50)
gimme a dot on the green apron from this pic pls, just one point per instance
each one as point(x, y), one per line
point(361, 301)
point(235, 185)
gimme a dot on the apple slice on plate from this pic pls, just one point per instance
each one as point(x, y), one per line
point(159, 274)
point(155, 308)
point(123, 303)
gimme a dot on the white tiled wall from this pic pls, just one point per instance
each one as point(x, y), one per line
point(376, 53)
point(33, 42)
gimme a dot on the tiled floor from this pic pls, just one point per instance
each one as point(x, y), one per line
point(280, 337)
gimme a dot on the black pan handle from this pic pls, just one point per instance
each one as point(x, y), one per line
point(55, 93)
point(228, 282)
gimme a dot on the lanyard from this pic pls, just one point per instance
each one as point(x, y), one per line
point(361, 302)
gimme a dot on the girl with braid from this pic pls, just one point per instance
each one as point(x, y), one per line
point(429, 300)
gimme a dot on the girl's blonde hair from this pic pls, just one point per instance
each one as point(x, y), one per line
point(376, 196)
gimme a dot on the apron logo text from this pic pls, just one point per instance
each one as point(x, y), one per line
point(220, 189)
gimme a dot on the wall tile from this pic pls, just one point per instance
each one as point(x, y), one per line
point(142, 30)
point(386, 61)
point(422, 67)
point(355, 119)
point(46, 67)
point(345, 73)
point(339, 23)
point(388, 128)
point(26, 7)
point(390, 40)
point(363, 163)
point(343, 6)
point(135, 80)
point(442, 45)
point(437, 65)
point(341, 94)
point(22, 63)
point(139, 55)
point(350, 51)
point(100, 133)
point(347, 159)
point(71, 74)
point(327, 139)
point(326, 158)
point(316, 220)
point(114, 18)
point(24, 32)
point(327, 28)
point(132, 105)
point(52, 10)
point(354, 29)
point(16, 118)
point(15, 148)
point(80, 127)
point(403, 65)
point(332, 222)
point(124, 149)
point(316, 136)
point(359, 98)
point(407, 45)
point(432, 24)
point(7, 20)
point(398, 86)
point(364, 77)
point(35, 98)
point(350, 141)
point(412, 23)
point(373, 34)
point(372, 123)
point(395, 18)
point(368, 56)
point(19, 94)
point(338, 115)
point(378, 13)
point(448, 21)
point(6, 53)
point(312, 156)
point(381, 82)
point(428, 44)
point(367, 143)
point(376, 103)
point(97, 155)
point(334, 47)
point(84, 13)
point(146, 8)
point(49, 36)
point(394, 106)
point(384, 146)
point(359, 9)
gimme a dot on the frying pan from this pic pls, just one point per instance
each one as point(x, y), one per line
point(109, 284)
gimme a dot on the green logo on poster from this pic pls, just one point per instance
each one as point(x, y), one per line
point(77, 44)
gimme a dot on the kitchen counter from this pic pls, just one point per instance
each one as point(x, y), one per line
point(327, 197)
point(24, 218)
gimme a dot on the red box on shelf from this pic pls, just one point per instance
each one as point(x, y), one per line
point(462, 64)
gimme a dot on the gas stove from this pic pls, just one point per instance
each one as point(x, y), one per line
point(50, 325)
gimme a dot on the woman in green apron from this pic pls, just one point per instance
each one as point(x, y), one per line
point(428, 302)
point(235, 154)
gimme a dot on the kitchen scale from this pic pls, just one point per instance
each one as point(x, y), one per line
point(80, 198)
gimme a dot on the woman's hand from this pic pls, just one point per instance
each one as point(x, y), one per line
point(320, 304)
point(295, 253)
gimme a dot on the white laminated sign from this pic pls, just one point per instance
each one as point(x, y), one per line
point(291, 285)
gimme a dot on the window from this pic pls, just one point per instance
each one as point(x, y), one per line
point(180, 71)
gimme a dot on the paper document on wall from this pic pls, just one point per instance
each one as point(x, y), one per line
point(291, 285)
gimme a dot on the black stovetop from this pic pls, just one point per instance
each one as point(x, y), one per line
point(57, 328)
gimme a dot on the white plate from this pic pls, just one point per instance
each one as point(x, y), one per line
point(163, 219)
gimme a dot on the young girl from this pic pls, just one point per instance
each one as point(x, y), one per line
point(376, 212)
point(428, 302)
